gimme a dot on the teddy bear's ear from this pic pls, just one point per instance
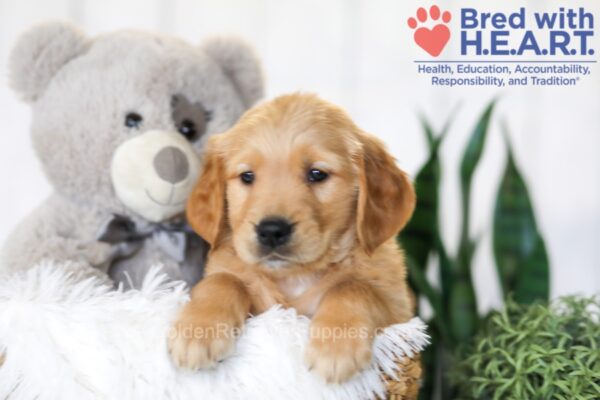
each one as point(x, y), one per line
point(241, 65)
point(38, 55)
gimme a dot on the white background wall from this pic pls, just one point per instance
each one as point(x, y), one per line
point(359, 54)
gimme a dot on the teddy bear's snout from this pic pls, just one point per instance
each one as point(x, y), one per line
point(154, 172)
point(171, 164)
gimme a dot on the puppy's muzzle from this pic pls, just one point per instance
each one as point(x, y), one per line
point(274, 232)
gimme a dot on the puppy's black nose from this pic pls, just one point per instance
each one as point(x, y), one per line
point(274, 232)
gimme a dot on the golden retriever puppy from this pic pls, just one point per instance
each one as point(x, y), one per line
point(300, 208)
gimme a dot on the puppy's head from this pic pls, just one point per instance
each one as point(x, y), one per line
point(295, 181)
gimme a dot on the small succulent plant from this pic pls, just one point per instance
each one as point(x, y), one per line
point(535, 352)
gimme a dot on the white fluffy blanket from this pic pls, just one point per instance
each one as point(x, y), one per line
point(70, 339)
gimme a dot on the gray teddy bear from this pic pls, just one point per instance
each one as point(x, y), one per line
point(118, 124)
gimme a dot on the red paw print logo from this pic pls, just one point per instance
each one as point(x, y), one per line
point(433, 40)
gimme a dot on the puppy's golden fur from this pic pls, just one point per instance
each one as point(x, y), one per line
point(341, 266)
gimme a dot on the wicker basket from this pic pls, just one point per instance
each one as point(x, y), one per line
point(406, 387)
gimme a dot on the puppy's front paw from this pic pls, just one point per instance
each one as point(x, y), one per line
point(201, 337)
point(337, 353)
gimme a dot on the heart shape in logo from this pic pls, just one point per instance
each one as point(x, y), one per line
point(433, 40)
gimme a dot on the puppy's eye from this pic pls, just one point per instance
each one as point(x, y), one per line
point(316, 175)
point(188, 129)
point(247, 177)
point(133, 120)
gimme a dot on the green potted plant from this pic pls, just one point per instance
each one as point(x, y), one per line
point(535, 352)
point(519, 252)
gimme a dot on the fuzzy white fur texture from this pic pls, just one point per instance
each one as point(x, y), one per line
point(67, 338)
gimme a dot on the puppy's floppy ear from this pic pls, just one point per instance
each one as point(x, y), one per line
point(205, 209)
point(386, 198)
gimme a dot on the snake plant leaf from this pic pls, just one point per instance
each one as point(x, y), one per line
point(533, 280)
point(519, 249)
point(475, 146)
point(432, 295)
point(446, 273)
point(434, 141)
point(428, 130)
point(464, 319)
point(418, 237)
point(468, 165)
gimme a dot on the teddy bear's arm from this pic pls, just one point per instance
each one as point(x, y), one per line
point(58, 232)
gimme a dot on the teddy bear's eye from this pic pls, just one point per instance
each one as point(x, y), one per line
point(188, 129)
point(190, 118)
point(133, 120)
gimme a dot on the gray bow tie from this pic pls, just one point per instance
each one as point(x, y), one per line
point(171, 237)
